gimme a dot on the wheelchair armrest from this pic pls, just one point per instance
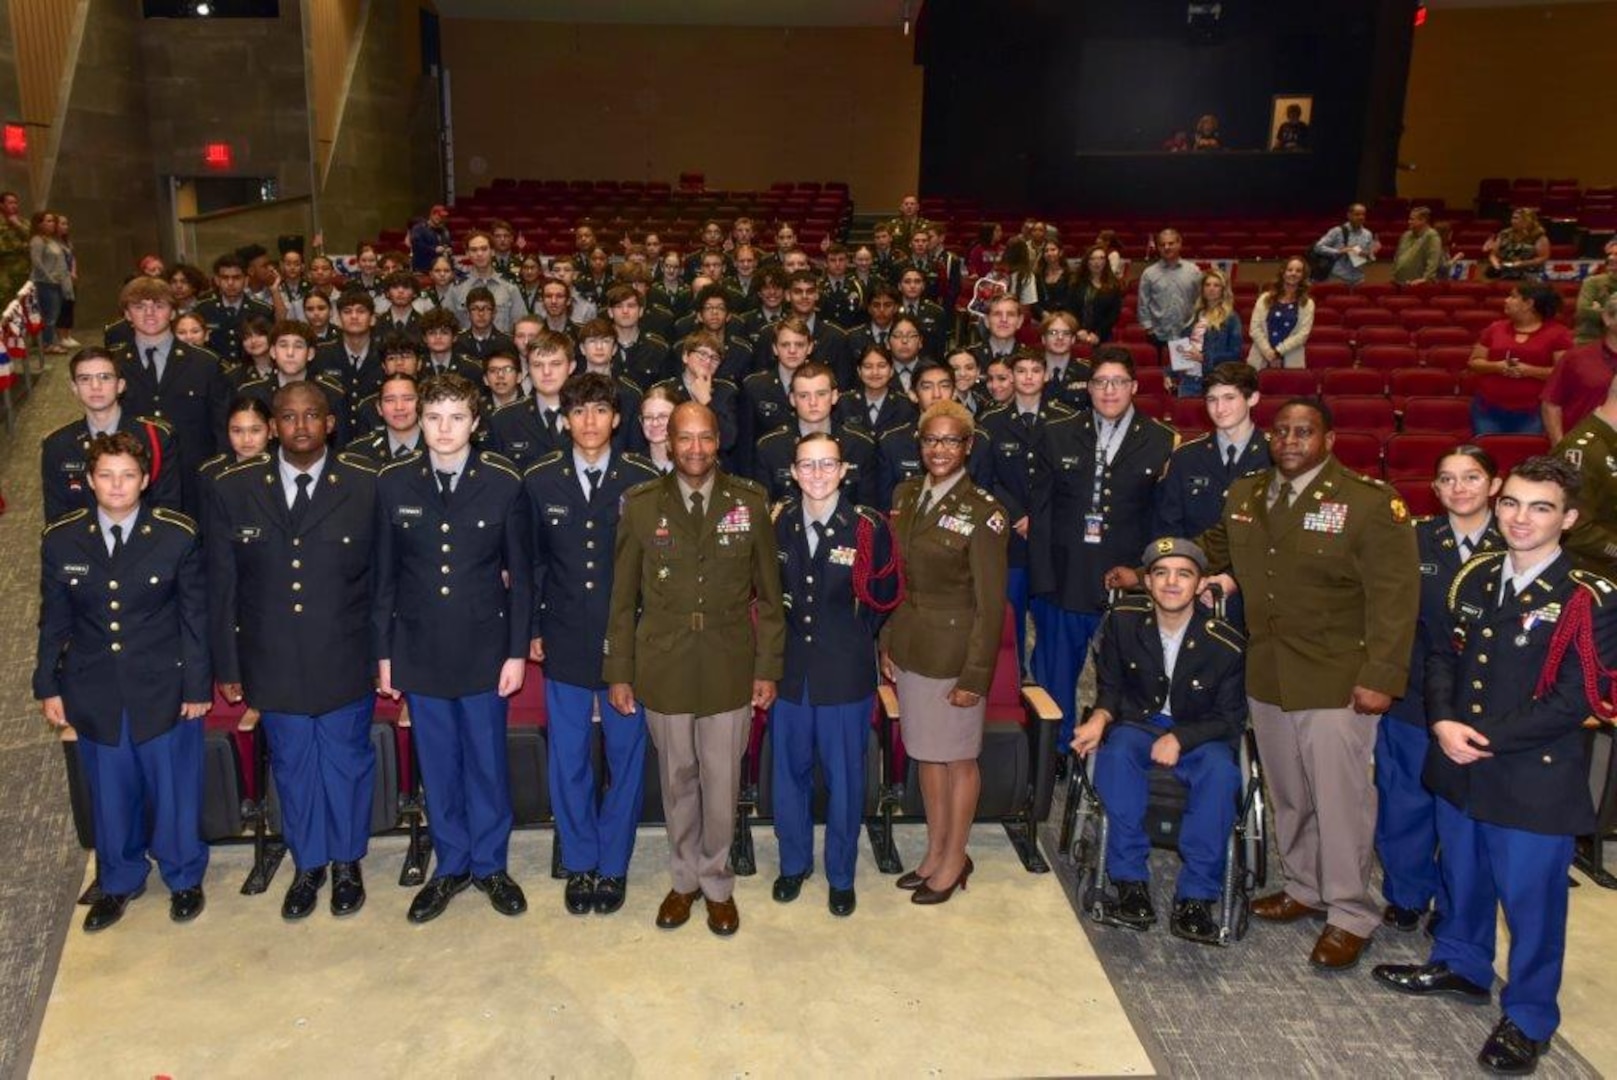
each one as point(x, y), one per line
point(249, 720)
point(67, 734)
point(888, 696)
point(404, 716)
point(1040, 705)
point(1594, 723)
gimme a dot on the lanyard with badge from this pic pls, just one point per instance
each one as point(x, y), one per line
point(1094, 521)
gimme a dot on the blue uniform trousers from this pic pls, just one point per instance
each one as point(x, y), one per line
point(460, 743)
point(1060, 647)
point(147, 797)
point(1016, 593)
point(325, 775)
point(596, 830)
point(1485, 866)
point(1122, 779)
point(836, 735)
point(1406, 818)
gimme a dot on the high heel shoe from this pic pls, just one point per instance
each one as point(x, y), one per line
point(926, 894)
point(912, 881)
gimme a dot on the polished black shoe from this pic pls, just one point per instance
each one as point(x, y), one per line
point(1133, 908)
point(579, 896)
point(1433, 921)
point(303, 893)
point(609, 894)
point(842, 902)
point(108, 909)
point(504, 895)
point(1509, 1052)
point(787, 887)
point(347, 888)
point(186, 904)
point(1193, 920)
point(1423, 980)
point(432, 900)
point(1405, 919)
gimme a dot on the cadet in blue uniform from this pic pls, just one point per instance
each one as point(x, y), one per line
point(876, 404)
point(64, 453)
point(291, 349)
point(1010, 431)
point(289, 579)
point(767, 393)
point(531, 428)
point(814, 397)
point(123, 660)
point(1093, 487)
point(450, 622)
point(698, 381)
point(898, 450)
point(1406, 810)
point(576, 497)
point(1509, 763)
point(356, 357)
point(224, 311)
point(1067, 375)
point(168, 380)
point(838, 577)
point(1171, 693)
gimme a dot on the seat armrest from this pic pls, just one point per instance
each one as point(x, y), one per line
point(1041, 704)
point(889, 701)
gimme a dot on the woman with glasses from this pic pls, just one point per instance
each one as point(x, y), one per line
point(940, 646)
point(1406, 824)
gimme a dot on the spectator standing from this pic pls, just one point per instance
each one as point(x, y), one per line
point(1578, 384)
point(1169, 289)
point(1351, 246)
point(1512, 360)
point(1419, 254)
point(1520, 250)
point(53, 282)
point(1282, 319)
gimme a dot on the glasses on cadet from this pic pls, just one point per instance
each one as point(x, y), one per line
point(1110, 382)
point(705, 354)
point(819, 465)
point(1056, 332)
point(903, 335)
point(88, 377)
point(932, 442)
point(1468, 480)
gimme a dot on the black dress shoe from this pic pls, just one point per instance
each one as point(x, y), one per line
point(609, 894)
point(842, 902)
point(1509, 1052)
point(1424, 980)
point(504, 895)
point(1133, 908)
point(1193, 920)
point(787, 887)
point(1405, 919)
point(186, 904)
point(579, 896)
point(347, 888)
point(433, 898)
point(303, 893)
point(108, 909)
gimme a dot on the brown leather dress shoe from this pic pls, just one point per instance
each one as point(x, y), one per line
point(1337, 950)
point(722, 917)
point(1280, 907)
point(676, 909)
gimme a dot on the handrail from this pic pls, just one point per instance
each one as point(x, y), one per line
point(238, 211)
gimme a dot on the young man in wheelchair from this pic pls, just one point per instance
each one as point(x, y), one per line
point(1172, 694)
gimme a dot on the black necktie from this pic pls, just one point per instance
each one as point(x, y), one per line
point(594, 477)
point(117, 541)
point(816, 537)
point(875, 411)
point(1026, 419)
point(1509, 594)
point(446, 484)
point(151, 360)
point(300, 501)
point(1229, 459)
point(696, 505)
point(1465, 548)
point(550, 420)
point(354, 361)
point(401, 451)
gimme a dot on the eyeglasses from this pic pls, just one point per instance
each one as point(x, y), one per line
point(955, 442)
point(1056, 332)
point(1111, 382)
point(705, 354)
point(1468, 480)
point(904, 335)
point(821, 465)
point(90, 378)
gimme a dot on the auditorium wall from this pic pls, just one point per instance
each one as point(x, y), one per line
point(1509, 92)
point(13, 171)
point(744, 105)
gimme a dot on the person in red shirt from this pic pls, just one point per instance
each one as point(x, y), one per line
point(1577, 386)
point(1512, 360)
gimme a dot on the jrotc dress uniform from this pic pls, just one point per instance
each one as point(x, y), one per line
point(289, 578)
point(776, 452)
point(898, 458)
point(380, 447)
point(1091, 510)
point(468, 344)
point(224, 324)
point(451, 606)
point(387, 326)
point(186, 389)
point(458, 363)
point(1070, 385)
point(823, 710)
point(934, 328)
point(1406, 821)
point(123, 643)
point(842, 303)
point(64, 453)
point(828, 346)
point(725, 403)
point(646, 362)
point(1010, 435)
point(575, 520)
point(525, 431)
point(1591, 447)
point(359, 373)
point(1194, 689)
point(893, 410)
point(1506, 824)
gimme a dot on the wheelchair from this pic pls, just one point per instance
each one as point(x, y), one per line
point(1085, 828)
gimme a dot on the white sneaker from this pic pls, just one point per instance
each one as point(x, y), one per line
point(69, 342)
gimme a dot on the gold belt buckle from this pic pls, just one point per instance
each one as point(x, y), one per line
point(698, 621)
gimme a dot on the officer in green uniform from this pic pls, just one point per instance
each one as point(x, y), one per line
point(696, 557)
point(1591, 447)
point(908, 222)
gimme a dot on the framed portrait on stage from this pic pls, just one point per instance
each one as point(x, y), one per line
point(1289, 122)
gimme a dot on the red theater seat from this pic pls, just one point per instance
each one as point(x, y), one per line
point(1359, 451)
point(1353, 382)
point(1509, 451)
point(1387, 357)
point(1288, 382)
point(1414, 455)
point(1447, 415)
point(1362, 412)
point(1418, 496)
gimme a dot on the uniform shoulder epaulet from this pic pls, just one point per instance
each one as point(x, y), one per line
point(397, 463)
point(215, 462)
point(253, 383)
point(870, 514)
point(1422, 519)
point(656, 339)
point(756, 375)
point(746, 484)
point(639, 461)
point(545, 462)
point(1225, 634)
point(1059, 409)
point(70, 425)
point(780, 507)
point(331, 382)
point(182, 348)
point(175, 518)
point(848, 431)
point(995, 411)
point(1481, 559)
point(112, 325)
point(1073, 418)
point(645, 487)
point(157, 422)
point(1599, 586)
point(726, 382)
point(1195, 440)
point(363, 464)
point(66, 519)
point(517, 404)
point(1133, 602)
point(778, 433)
point(241, 466)
point(1169, 428)
point(500, 462)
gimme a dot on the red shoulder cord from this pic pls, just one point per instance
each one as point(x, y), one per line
point(864, 571)
point(157, 452)
point(1576, 627)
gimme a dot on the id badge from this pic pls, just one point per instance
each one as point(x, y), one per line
point(1092, 528)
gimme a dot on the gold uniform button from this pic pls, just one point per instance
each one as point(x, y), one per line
point(113, 585)
point(589, 584)
point(153, 580)
point(444, 527)
point(1476, 708)
point(296, 542)
point(297, 586)
point(297, 564)
point(589, 544)
point(443, 569)
point(117, 647)
point(444, 591)
point(446, 549)
point(1548, 760)
point(114, 627)
point(114, 605)
point(1476, 684)
point(589, 566)
point(589, 524)
point(1486, 632)
point(297, 609)
point(1482, 658)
